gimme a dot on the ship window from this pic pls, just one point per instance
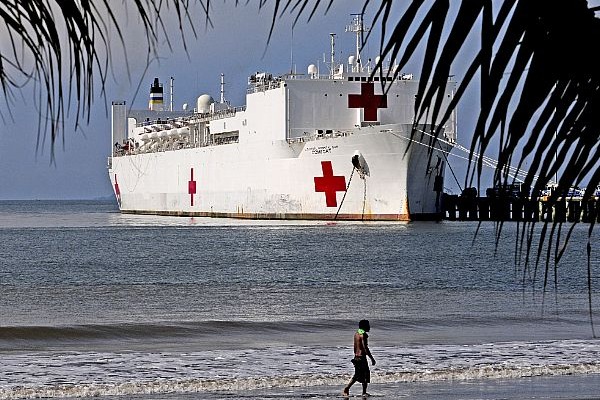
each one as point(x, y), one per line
point(363, 78)
point(350, 78)
point(376, 79)
point(328, 131)
point(389, 78)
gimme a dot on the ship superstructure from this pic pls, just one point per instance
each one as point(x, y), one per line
point(310, 146)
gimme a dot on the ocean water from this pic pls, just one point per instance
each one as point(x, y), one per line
point(98, 304)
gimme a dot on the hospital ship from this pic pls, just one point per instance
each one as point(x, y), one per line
point(338, 145)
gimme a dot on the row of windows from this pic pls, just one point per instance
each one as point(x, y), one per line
point(368, 79)
point(357, 93)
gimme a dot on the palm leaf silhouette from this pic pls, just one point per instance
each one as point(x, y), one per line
point(69, 62)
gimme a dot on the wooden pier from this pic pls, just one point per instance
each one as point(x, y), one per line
point(472, 208)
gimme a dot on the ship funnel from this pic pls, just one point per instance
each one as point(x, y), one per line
point(156, 96)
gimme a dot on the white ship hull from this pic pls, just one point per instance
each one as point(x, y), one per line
point(282, 180)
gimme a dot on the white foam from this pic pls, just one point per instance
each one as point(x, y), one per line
point(53, 375)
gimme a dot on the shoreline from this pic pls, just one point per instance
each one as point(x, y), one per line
point(563, 387)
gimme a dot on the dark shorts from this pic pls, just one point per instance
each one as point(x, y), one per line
point(362, 373)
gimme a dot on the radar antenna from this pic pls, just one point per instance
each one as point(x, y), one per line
point(357, 27)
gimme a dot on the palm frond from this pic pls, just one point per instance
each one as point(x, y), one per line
point(65, 50)
point(539, 91)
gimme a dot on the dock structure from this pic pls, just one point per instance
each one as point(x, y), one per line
point(469, 207)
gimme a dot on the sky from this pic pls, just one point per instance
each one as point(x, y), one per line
point(235, 45)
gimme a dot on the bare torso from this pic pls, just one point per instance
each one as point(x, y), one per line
point(360, 344)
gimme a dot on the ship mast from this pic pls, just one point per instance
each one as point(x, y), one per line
point(332, 54)
point(222, 88)
point(358, 28)
point(171, 90)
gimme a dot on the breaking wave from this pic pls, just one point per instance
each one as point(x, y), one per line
point(160, 329)
point(183, 386)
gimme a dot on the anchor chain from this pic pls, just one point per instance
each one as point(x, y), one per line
point(362, 218)
point(355, 167)
point(345, 193)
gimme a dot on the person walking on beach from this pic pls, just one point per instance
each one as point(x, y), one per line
point(362, 373)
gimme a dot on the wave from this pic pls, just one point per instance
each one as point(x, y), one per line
point(108, 373)
point(167, 335)
point(76, 332)
point(186, 386)
point(162, 329)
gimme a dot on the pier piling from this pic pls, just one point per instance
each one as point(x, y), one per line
point(470, 207)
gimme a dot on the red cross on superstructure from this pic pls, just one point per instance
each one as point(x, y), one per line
point(329, 184)
point(368, 100)
point(117, 191)
point(192, 187)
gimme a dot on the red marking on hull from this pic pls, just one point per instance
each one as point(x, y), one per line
point(368, 100)
point(117, 191)
point(192, 187)
point(329, 184)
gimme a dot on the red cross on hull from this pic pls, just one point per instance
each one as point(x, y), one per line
point(192, 187)
point(329, 184)
point(368, 100)
point(117, 191)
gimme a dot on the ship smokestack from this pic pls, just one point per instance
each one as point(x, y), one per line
point(156, 96)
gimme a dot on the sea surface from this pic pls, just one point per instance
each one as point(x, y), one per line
point(98, 304)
